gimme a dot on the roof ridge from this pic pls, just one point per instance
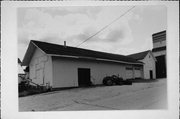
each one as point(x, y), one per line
point(59, 50)
point(79, 48)
point(139, 55)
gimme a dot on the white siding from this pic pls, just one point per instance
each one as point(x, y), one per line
point(41, 68)
point(129, 73)
point(149, 64)
point(138, 73)
point(65, 71)
point(134, 72)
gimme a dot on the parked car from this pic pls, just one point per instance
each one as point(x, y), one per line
point(111, 80)
point(115, 80)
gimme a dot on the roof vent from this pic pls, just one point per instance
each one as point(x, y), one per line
point(64, 43)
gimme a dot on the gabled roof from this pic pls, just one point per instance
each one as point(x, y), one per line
point(140, 55)
point(73, 52)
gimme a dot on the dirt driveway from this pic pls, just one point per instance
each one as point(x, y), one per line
point(137, 96)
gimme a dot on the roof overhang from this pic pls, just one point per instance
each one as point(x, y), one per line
point(97, 59)
point(28, 55)
point(32, 47)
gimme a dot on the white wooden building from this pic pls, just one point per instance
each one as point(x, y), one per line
point(149, 61)
point(63, 66)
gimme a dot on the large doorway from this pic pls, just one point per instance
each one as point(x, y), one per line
point(84, 77)
point(161, 67)
point(151, 74)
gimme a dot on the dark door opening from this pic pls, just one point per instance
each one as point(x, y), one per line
point(161, 67)
point(84, 77)
point(151, 74)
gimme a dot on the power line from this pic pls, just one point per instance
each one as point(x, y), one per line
point(106, 26)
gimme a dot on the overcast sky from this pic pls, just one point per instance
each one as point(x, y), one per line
point(131, 33)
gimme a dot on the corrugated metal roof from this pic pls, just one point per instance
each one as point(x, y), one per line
point(67, 51)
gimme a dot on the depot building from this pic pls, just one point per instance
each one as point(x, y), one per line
point(64, 66)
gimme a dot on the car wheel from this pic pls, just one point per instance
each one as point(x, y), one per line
point(109, 82)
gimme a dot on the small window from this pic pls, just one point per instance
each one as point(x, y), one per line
point(137, 68)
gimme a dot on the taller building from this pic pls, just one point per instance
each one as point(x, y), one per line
point(159, 51)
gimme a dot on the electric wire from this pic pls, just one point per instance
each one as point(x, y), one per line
point(106, 26)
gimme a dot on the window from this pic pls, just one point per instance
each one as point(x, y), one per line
point(137, 68)
point(129, 68)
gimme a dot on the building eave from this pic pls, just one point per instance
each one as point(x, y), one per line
point(28, 55)
point(33, 47)
point(96, 59)
point(159, 49)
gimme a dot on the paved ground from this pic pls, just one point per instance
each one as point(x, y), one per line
point(138, 96)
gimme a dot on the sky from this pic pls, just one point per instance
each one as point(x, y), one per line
point(131, 33)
